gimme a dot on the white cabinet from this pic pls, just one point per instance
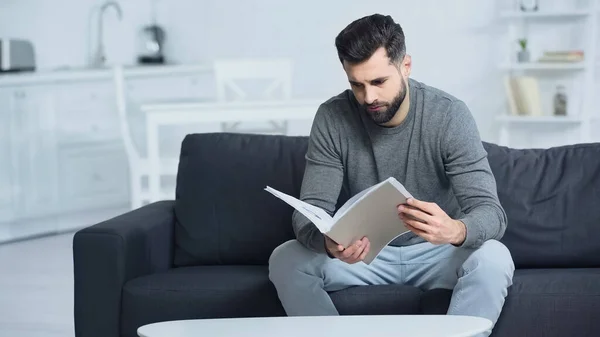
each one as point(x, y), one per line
point(63, 150)
point(92, 177)
point(6, 187)
point(61, 146)
point(34, 151)
point(85, 112)
point(59, 151)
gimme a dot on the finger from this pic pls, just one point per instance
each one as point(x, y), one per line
point(429, 237)
point(426, 236)
point(358, 252)
point(408, 206)
point(350, 250)
point(421, 227)
point(365, 251)
point(428, 207)
point(358, 248)
point(416, 213)
point(418, 232)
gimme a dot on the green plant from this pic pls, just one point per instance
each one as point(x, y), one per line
point(523, 43)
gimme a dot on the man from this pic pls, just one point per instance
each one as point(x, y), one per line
point(391, 125)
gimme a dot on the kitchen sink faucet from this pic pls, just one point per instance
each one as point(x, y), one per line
point(99, 57)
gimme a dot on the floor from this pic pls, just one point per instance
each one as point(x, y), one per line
point(36, 287)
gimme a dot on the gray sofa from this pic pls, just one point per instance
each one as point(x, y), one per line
point(205, 254)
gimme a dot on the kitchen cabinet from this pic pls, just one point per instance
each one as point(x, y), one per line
point(92, 177)
point(61, 156)
point(34, 151)
point(6, 187)
point(85, 112)
point(61, 145)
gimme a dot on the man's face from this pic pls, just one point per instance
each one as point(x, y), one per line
point(378, 85)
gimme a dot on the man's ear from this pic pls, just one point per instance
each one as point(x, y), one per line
point(406, 65)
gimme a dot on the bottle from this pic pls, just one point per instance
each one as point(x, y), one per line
point(560, 101)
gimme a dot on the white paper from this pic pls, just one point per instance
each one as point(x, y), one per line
point(318, 216)
point(371, 213)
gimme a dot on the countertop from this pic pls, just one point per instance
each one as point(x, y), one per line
point(83, 73)
point(210, 104)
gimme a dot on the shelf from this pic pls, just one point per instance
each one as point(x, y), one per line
point(569, 14)
point(540, 119)
point(545, 66)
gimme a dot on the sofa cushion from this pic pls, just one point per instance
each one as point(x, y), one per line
point(223, 214)
point(552, 198)
point(561, 302)
point(394, 299)
point(239, 291)
point(198, 292)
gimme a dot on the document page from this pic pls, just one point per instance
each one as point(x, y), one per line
point(376, 217)
point(318, 216)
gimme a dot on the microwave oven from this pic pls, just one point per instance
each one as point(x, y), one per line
point(16, 55)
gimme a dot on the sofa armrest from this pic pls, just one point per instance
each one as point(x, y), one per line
point(110, 253)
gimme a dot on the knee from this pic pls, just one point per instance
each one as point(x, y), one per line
point(287, 258)
point(492, 259)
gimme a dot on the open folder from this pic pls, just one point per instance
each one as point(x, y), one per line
point(372, 213)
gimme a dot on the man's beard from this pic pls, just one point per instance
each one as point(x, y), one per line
point(388, 110)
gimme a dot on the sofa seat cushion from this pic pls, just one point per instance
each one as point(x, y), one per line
point(198, 292)
point(378, 300)
point(582, 282)
point(238, 291)
point(559, 301)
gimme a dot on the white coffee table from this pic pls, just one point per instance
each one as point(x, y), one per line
point(326, 326)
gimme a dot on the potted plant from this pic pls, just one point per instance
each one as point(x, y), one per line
point(523, 54)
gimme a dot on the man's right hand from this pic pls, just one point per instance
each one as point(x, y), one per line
point(356, 252)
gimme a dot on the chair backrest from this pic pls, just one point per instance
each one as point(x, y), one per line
point(265, 77)
point(230, 72)
point(132, 150)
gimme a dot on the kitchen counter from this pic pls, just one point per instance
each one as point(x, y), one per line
point(68, 74)
point(62, 138)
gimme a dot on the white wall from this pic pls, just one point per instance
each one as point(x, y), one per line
point(453, 43)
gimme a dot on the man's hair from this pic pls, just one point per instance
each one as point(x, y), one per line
point(361, 38)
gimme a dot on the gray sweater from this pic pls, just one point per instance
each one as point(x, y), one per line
point(436, 153)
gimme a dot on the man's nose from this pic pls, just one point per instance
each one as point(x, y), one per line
point(370, 96)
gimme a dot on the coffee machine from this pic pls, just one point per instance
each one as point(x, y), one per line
point(151, 45)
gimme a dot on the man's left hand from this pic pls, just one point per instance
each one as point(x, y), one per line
point(433, 224)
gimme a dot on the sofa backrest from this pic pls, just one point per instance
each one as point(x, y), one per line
point(552, 200)
point(223, 214)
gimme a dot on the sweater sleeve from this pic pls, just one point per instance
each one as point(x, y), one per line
point(322, 180)
point(471, 178)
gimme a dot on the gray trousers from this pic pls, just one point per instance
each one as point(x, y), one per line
point(479, 277)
